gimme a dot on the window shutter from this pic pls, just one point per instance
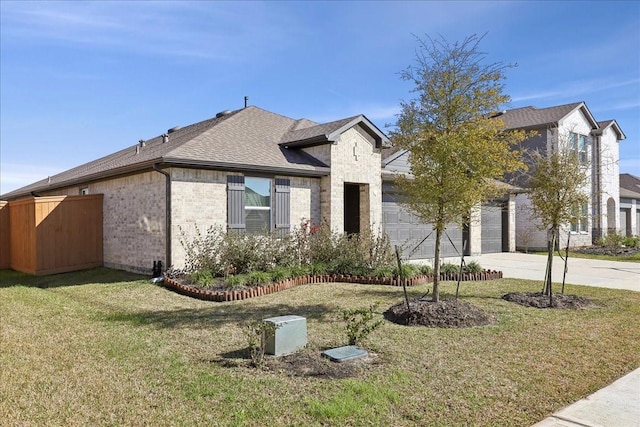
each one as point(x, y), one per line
point(282, 206)
point(235, 202)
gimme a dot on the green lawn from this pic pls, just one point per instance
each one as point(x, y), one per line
point(106, 348)
point(623, 258)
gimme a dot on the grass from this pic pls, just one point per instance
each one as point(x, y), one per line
point(107, 348)
point(623, 258)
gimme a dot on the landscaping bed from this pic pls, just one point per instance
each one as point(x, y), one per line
point(222, 293)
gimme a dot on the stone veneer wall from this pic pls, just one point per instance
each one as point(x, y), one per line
point(304, 201)
point(610, 181)
point(198, 202)
point(133, 219)
point(353, 159)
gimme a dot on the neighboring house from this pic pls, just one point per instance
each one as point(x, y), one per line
point(597, 145)
point(491, 227)
point(248, 169)
point(629, 205)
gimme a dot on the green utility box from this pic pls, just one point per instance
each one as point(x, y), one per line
point(290, 335)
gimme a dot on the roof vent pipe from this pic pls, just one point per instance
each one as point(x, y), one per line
point(165, 138)
point(246, 101)
point(142, 143)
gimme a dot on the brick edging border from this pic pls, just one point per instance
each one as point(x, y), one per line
point(238, 295)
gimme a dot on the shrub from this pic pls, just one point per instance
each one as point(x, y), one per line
point(350, 254)
point(236, 281)
point(631, 241)
point(299, 270)
point(407, 272)
point(256, 333)
point(473, 267)
point(426, 269)
point(613, 242)
point(360, 323)
point(449, 268)
point(202, 277)
point(383, 272)
point(279, 273)
point(318, 268)
point(258, 278)
point(203, 250)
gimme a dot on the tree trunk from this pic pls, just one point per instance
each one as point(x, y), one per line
point(551, 246)
point(436, 267)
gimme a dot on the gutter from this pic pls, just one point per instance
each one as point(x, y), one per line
point(167, 210)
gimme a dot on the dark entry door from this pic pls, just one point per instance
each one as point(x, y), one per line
point(351, 208)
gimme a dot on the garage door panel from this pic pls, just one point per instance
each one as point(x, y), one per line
point(491, 228)
point(405, 230)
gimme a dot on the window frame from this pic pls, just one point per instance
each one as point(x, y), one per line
point(578, 144)
point(248, 207)
point(581, 225)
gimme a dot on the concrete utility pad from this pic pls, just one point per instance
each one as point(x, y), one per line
point(346, 353)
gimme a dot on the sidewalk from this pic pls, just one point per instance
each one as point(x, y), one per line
point(618, 404)
point(581, 271)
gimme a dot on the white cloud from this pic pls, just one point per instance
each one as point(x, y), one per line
point(206, 30)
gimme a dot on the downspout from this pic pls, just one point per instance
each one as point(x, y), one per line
point(167, 214)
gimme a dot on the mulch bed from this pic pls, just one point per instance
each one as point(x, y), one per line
point(309, 363)
point(220, 293)
point(602, 250)
point(441, 314)
point(540, 300)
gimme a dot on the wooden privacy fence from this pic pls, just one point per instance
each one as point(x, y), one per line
point(48, 235)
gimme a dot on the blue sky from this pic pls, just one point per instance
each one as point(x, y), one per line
point(80, 80)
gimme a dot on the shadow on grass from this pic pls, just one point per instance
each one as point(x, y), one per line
point(9, 278)
point(219, 315)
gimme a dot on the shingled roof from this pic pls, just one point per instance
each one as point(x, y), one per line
point(532, 117)
point(629, 186)
point(249, 139)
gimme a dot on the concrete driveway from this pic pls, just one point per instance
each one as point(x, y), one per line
point(589, 272)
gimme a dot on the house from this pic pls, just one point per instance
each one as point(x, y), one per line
point(597, 145)
point(629, 205)
point(248, 169)
point(251, 170)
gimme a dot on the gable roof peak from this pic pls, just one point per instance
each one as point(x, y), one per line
point(535, 117)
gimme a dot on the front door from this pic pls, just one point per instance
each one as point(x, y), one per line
point(351, 208)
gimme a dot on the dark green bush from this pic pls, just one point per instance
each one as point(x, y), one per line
point(383, 272)
point(236, 281)
point(202, 277)
point(280, 273)
point(408, 271)
point(258, 278)
point(449, 268)
point(473, 267)
point(631, 241)
point(318, 269)
point(426, 269)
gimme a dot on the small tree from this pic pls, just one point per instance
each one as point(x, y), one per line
point(457, 149)
point(557, 188)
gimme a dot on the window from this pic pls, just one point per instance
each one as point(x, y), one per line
point(256, 205)
point(578, 145)
point(582, 221)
